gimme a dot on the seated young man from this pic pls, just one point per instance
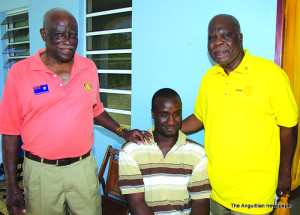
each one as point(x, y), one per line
point(168, 175)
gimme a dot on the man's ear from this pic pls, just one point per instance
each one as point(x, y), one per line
point(152, 112)
point(43, 33)
point(241, 38)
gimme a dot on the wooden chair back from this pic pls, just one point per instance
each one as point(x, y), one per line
point(111, 186)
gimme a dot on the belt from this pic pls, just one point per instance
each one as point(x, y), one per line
point(59, 162)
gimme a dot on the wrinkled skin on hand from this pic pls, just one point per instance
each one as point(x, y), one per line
point(284, 184)
point(136, 136)
point(15, 201)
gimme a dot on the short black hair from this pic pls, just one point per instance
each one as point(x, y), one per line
point(164, 92)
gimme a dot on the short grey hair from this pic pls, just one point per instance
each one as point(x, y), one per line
point(57, 10)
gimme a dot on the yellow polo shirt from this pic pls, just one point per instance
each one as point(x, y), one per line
point(241, 113)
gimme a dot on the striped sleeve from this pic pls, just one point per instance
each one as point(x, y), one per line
point(130, 176)
point(199, 186)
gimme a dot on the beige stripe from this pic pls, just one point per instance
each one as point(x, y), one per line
point(166, 202)
point(169, 165)
point(130, 177)
point(170, 207)
point(199, 183)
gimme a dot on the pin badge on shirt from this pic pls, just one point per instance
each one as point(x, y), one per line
point(41, 89)
point(87, 86)
point(248, 90)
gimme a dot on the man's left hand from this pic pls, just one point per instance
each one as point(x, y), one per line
point(136, 136)
point(284, 183)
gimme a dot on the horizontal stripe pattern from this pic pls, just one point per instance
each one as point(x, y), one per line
point(169, 207)
point(170, 171)
point(169, 183)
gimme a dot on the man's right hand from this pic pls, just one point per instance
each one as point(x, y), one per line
point(14, 197)
point(15, 201)
point(137, 204)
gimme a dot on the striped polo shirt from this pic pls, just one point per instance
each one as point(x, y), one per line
point(170, 182)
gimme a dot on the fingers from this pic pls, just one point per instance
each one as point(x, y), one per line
point(22, 206)
point(139, 137)
point(144, 135)
point(147, 135)
point(280, 192)
point(143, 140)
point(17, 211)
point(15, 203)
point(136, 139)
point(23, 209)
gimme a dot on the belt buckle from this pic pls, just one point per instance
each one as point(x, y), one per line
point(67, 160)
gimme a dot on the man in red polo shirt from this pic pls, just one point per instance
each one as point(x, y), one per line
point(51, 100)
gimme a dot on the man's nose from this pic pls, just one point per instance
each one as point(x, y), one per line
point(219, 41)
point(66, 40)
point(171, 120)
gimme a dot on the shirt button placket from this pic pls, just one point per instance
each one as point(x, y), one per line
point(226, 86)
point(57, 80)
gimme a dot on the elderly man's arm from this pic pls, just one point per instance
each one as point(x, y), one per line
point(14, 197)
point(191, 124)
point(105, 120)
point(288, 141)
point(137, 204)
point(200, 207)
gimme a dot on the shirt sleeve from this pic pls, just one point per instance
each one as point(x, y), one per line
point(199, 186)
point(283, 101)
point(10, 108)
point(199, 105)
point(130, 176)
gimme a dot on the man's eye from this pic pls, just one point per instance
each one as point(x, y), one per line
point(226, 36)
point(73, 35)
point(164, 115)
point(58, 35)
point(211, 38)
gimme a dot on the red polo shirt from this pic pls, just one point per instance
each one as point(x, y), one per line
point(54, 120)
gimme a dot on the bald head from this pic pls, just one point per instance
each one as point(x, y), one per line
point(228, 19)
point(55, 13)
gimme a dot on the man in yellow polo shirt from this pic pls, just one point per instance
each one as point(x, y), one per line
point(249, 113)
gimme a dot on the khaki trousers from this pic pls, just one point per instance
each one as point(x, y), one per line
point(218, 209)
point(59, 190)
